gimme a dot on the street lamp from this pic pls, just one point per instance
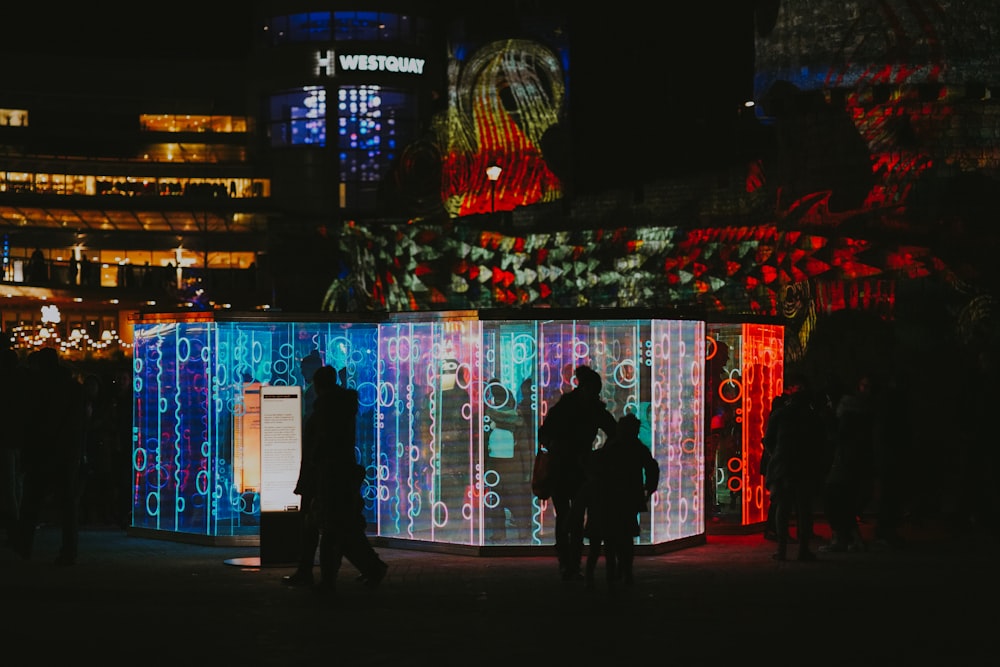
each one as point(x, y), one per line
point(493, 173)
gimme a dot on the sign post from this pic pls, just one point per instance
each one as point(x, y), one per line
point(281, 453)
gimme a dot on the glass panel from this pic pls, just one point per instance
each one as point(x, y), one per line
point(450, 406)
point(744, 366)
point(299, 117)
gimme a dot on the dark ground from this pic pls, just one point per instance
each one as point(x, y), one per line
point(152, 601)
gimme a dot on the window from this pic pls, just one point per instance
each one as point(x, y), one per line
point(194, 153)
point(14, 117)
point(298, 117)
point(347, 27)
point(372, 123)
point(192, 123)
point(312, 27)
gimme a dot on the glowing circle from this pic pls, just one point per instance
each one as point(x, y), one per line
point(183, 349)
point(730, 381)
point(439, 514)
point(152, 504)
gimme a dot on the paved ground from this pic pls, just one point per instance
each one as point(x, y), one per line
point(152, 601)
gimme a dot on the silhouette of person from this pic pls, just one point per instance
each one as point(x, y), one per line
point(622, 476)
point(893, 435)
point(13, 408)
point(331, 478)
point(849, 481)
point(309, 365)
point(794, 440)
point(309, 518)
point(86, 271)
point(73, 278)
point(37, 268)
point(770, 525)
point(568, 433)
point(52, 462)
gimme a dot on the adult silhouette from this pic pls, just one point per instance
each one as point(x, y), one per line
point(622, 476)
point(53, 458)
point(330, 485)
point(849, 480)
point(309, 516)
point(13, 407)
point(568, 432)
point(794, 440)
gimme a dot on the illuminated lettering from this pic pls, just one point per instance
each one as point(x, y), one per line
point(378, 63)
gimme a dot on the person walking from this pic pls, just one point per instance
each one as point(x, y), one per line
point(330, 480)
point(623, 476)
point(568, 433)
point(794, 439)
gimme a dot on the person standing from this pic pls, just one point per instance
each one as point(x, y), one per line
point(330, 485)
point(53, 461)
point(794, 439)
point(623, 476)
point(849, 482)
point(13, 408)
point(568, 432)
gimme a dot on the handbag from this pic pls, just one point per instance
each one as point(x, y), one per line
point(541, 475)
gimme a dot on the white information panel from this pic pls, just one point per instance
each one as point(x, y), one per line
point(280, 447)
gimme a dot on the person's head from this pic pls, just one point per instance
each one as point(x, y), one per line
point(721, 357)
point(45, 360)
point(310, 363)
point(588, 380)
point(324, 379)
point(628, 426)
point(795, 382)
point(92, 385)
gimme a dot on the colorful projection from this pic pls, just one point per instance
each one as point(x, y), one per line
point(506, 99)
point(734, 271)
point(450, 407)
point(744, 368)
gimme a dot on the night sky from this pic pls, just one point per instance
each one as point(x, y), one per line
point(650, 92)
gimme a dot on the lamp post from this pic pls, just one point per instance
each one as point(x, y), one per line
point(493, 173)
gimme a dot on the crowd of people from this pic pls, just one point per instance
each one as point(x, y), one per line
point(841, 454)
point(67, 441)
point(65, 449)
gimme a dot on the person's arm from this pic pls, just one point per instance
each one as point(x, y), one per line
point(651, 468)
point(607, 422)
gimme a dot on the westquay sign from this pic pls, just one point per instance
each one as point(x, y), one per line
point(379, 63)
